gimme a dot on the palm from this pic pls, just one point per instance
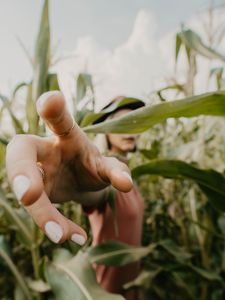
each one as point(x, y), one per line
point(72, 165)
point(69, 175)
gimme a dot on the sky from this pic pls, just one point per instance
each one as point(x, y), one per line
point(125, 44)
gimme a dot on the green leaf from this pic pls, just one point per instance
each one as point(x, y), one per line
point(193, 41)
point(143, 118)
point(2, 154)
point(217, 294)
point(178, 45)
point(18, 87)
point(76, 279)
point(61, 255)
point(20, 225)
point(114, 253)
point(218, 72)
point(81, 114)
point(211, 182)
point(221, 224)
point(153, 152)
point(207, 229)
point(174, 250)
point(52, 82)
point(18, 276)
point(38, 285)
point(18, 293)
point(189, 53)
point(4, 141)
point(5, 246)
point(216, 198)
point(84, 81)
point(42, 55)
point(17, 124)
point(183, 284)
point(31, 112)
point(207, 274)
point(144, 279)
point(92, 117)
point(177, 87)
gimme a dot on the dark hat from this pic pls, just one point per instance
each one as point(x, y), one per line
point(116, 104)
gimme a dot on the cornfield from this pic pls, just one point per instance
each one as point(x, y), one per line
point(179, 167)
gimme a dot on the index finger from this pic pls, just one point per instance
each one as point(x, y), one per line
point(51, 107)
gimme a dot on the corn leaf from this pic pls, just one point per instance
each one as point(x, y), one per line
point(42, 55)
point(4, 254)
point(75, 278)
point(91, 117)
point(218, 73)
point(19, 223)
point(176, 251)
point(117, 254)
point(211, 182)
point(84, 81)
point(192, 41)
point(178, 45)
point(210, 275)
point(2, 153)
point(177, 87)
point(18, 87)
point(143, 118)
point(17, 124)
point(52, 82)
point(144, 279)
point(31, 112)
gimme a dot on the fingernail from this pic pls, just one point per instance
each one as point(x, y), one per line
point(20, 185)
point(78, 238)
point(127, 176)
point(42, 99)
point(53, 231)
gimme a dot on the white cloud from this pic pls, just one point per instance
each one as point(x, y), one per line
point(141, 64)
point(132, 68)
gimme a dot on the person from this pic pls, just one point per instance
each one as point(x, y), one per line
point(68, 166)
point(129, 206)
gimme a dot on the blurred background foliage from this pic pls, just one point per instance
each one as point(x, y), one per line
point(179, 168)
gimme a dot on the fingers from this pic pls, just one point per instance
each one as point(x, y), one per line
point(51, 106)
point(53, 223)
point(117, 173)
point(21, 165)
point(22, 155)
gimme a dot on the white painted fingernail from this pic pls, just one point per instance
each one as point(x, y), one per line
point(127, 176)
point(78, 238)
point(42, 99)
point(20, 185)
point(54, 231)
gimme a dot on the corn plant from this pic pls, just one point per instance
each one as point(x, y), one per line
point(183, 234)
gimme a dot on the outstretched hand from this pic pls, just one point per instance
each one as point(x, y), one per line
point(73, 170)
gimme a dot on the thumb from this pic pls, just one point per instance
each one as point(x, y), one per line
point(117, 173)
